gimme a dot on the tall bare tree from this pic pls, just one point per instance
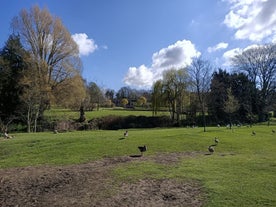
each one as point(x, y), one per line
point(54, 52)
point(259, 64)
point(200, 72)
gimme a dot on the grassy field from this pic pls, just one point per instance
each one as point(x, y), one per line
point(241, 172)
point(57, 114)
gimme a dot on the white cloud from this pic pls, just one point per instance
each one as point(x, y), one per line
point(221, 45)
point(86, 46)
point(140, 77)
point(228, 55)
point(178, 55)
point(252, 19)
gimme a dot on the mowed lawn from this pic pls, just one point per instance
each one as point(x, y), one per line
point(241, 172)
point(58, 114)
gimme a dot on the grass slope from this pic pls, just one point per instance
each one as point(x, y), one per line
point(241, 172)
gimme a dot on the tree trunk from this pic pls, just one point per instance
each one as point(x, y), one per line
point(204, 120)
point(28, 121)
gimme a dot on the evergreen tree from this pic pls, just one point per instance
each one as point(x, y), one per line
point(245, 92)
point(218, 95)
point(12, 64)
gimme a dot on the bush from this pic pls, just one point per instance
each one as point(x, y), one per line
point(119, 122)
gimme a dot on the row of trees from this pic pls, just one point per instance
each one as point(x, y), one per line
point(25, 94)
point(247, 93)
point(40, 67)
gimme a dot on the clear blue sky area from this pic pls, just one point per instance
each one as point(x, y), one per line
point(131, 42)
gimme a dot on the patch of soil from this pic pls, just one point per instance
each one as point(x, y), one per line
point(90, 184)
point(156, 193)
point(173, 158)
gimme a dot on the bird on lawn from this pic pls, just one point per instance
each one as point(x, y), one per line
point(253, 133)
point(273, 131)
point(126, 134)
point(216, 140)
point(211, 148)
point(142, 149)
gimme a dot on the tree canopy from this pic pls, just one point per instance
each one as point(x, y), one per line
point(54, 53)
point(259, 64)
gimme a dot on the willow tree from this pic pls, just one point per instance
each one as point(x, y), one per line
point(175, 83)
point(54, 53)
point(157, 96)
point(71, 93)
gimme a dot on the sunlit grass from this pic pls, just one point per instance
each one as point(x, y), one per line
point(58, 114)
point(241, 172)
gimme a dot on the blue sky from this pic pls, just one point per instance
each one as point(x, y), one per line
point(131, 42)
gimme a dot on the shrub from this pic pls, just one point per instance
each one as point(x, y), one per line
point(119, 122)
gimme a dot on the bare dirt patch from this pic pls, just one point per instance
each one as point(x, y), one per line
point(156, 193)
point(91, 185)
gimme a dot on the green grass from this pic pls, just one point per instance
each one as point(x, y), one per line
point(241, 172)
point(57, 114)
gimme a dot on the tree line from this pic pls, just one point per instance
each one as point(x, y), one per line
point(40, 68)
point(246, 93)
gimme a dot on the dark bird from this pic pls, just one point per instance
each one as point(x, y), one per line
point(142, 149)
point(273, 131)
point(216, 140)
point(253, 133)
point(211, 148)
point(126, 134)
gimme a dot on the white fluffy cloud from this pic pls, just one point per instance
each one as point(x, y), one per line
point(86, 46)
point(252, 19)
point(227, 56)
point(141, 76)
point(178, 55)
point(219, 46)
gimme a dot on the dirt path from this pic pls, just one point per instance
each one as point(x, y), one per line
point(90, 184)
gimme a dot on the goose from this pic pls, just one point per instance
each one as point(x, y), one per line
point(142, 149)
point(211, 148)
